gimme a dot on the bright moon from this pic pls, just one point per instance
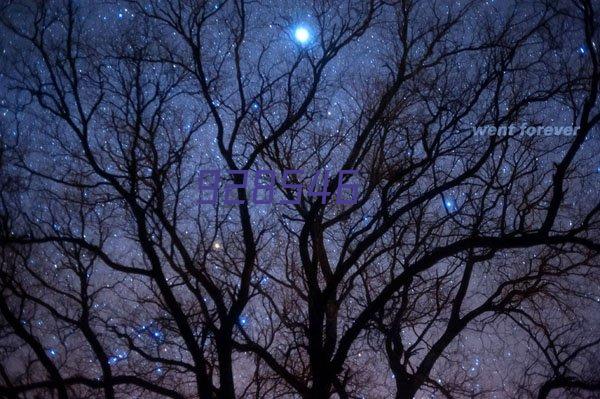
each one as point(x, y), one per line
point(302, 35)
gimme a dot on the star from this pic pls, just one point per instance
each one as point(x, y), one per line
point(450, 205)
point(302, 35)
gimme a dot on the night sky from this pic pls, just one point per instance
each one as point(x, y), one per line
point(466, 266)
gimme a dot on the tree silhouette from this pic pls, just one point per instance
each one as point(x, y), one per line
point(466, 265)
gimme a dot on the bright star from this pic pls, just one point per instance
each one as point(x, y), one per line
point(302, 35)
point(450, 205)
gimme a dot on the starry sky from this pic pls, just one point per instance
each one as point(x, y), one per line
point(109, 110)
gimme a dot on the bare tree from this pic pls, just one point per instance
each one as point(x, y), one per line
point(109, 261)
